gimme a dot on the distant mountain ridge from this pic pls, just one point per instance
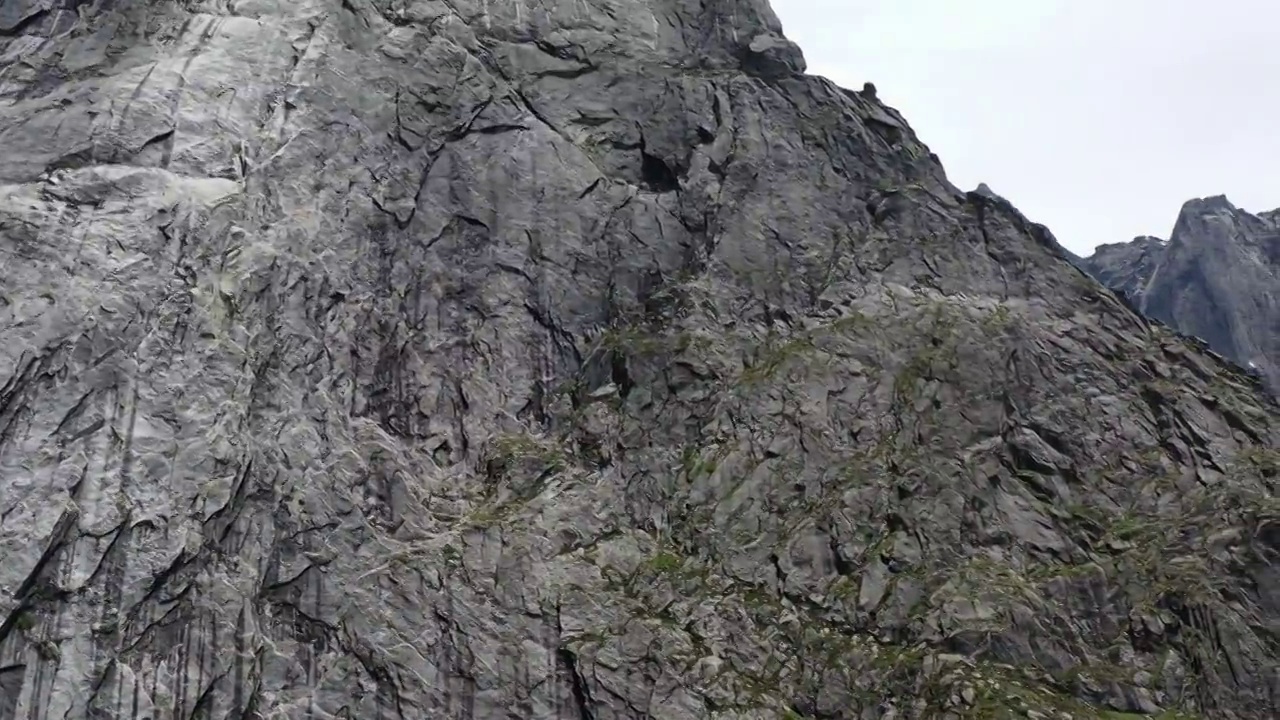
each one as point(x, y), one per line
point(1217, 278)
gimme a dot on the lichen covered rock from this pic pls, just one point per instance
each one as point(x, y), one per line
point(575, 359)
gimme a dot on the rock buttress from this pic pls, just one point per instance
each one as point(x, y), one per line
point(576, 360)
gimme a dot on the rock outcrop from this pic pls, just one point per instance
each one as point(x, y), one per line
point(1217, 278)
point(575, 359)
point(1126, 268)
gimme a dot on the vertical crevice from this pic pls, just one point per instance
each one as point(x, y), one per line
point(577, 685)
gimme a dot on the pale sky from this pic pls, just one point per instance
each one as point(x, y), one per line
point(1097, 118)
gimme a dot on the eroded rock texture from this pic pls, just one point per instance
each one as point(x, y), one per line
point(1217, 278)
point(574, 359)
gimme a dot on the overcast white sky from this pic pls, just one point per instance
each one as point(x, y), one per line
point(1098, 118)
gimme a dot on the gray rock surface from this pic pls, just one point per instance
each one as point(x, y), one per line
point(1126, 267)
point(1217, 278)
point(575, 359)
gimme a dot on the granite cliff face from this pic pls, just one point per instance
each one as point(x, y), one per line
point(575, 359)
point(1217, 278)
point(1126, 268)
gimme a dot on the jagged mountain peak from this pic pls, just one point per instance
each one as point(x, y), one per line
point(1126, 267)
point(1218, 278)
point(1234, 226)
point(1141, 243)
point(1209, 204)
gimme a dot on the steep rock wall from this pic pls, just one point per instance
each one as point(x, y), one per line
point(574, 359)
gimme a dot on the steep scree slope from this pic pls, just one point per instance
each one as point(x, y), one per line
point(574, 359)
point(1217, 278)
